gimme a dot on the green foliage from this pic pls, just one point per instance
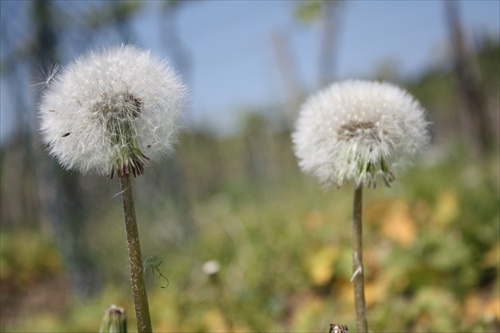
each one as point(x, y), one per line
point(309, 11)
point(431, 256)
point(312, 11)
point(118, 11)
point(39, 258)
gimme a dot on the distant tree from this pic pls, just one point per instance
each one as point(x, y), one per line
point(469, 78)
point(170, 32)
point(41, 192)
point(328, 13)
point(59, 193)
point(288, 71)
point(114, 14)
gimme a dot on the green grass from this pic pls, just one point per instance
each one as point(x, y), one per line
point(431, 257)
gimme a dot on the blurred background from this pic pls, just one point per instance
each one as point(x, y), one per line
point(233, 193)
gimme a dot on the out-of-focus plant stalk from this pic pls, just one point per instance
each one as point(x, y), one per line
point(357, 262)
point(135, 258)
point(211, 268)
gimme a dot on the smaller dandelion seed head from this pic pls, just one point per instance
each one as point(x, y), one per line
point(112, 111)
point(334, 328)
point(211, 267)
point(359, 131)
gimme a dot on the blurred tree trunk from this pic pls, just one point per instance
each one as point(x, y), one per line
point(307, 11)
point(175, 175)
point(58, 190)
point(328, 52)
point(469, 79)
point(179, 53)
point(258, 150)
point(328, 13)
point(19, 204)
point(287, 69)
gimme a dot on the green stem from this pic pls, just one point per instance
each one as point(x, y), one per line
point(135, 258)
point(357, 262)
point(221, 302)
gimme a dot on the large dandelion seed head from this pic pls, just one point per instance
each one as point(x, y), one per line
point(359, 131)
point(112, 111)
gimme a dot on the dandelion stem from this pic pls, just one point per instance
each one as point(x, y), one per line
point(357, 262)
point(135, 258)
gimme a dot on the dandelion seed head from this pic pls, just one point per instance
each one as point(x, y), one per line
point(359, 131)
point(112, 111)
point(211, 267)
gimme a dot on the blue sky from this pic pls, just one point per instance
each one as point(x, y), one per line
point(233, 67)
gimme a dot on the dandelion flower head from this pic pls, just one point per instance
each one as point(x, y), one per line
point(112, 111)
point(358, 131)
